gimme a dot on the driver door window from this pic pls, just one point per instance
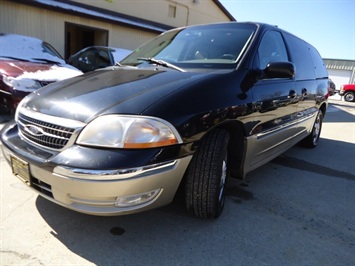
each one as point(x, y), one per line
point(272, 49)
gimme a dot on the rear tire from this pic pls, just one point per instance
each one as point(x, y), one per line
point(206, 176)
point(312, 140)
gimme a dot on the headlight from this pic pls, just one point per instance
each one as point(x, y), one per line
point(22, 84)
point(132, 132)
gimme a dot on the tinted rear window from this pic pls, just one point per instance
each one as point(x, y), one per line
point(300, 55)
point(320, 69)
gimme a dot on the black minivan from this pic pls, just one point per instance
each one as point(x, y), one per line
point(191, 108)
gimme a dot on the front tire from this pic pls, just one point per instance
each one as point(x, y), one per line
point(206, 176)
point(349, 97)
point(312, 140)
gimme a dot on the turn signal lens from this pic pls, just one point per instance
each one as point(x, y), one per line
point(137, 199)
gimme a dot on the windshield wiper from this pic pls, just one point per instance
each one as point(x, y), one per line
point(161, 63)
point(31, 59)
point(14, 58)
point(47, 60)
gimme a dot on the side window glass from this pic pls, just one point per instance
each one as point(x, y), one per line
point(103, 60)
point(272, 49)
point(320, 69)
point(301, 56)
point(87, 61)
point(88, 57)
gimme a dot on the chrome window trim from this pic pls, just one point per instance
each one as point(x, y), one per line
point(285, 125)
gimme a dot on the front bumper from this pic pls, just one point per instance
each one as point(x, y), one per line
point(93, 189)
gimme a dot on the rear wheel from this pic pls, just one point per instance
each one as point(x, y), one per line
point(349, 97)
point(206, 176)
point(312, 140)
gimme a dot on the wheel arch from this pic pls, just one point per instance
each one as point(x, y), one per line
point(323, 108)
point(237, 146)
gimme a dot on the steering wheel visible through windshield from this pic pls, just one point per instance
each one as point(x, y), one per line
point(205, 46)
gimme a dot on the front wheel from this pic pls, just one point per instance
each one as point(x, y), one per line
point(206, 176)
point(312, 140)
point(349, 97)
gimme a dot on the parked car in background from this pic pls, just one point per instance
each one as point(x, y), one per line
point(95, 57)
point(348, 91)
point(27, 64)
point(332, 88)
point(192, 108)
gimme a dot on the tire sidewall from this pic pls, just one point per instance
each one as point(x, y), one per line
point(204, 191)
point(318, 122)
point(349, 97)
point(223, 173)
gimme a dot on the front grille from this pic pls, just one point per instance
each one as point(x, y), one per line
point(44, 133)
point(45, 83)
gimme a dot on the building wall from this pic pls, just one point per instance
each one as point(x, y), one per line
point(49, 26)
point(188, 12)
point(341, 71)
point(339, 77)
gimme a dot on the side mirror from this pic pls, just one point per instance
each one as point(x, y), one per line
point(272, 70)
point(279, 70)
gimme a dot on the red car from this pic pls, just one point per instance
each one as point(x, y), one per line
point(348, 91)
point(27, 64)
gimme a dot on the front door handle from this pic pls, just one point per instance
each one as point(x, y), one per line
point(292, 94)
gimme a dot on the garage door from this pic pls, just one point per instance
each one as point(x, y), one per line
point(339, 77)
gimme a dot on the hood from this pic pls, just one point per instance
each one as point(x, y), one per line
point(21, 74)
point(111, 90)
point(14, 68)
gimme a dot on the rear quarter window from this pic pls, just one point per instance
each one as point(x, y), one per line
point(300, 55)
point(320, 69)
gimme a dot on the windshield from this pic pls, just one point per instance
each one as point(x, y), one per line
point(206, 46)
point(26, 48)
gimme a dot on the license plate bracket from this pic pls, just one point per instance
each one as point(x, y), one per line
point(21, 169)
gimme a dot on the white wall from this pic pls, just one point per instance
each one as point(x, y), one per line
point(339, 77)
point(50, 26)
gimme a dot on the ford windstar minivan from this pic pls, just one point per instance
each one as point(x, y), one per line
point(189, 109)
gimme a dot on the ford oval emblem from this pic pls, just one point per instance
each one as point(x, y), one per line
point(34, 130)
